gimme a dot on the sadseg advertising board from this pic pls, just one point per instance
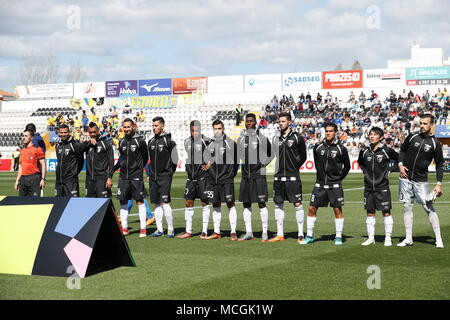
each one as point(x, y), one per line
point(127, 88)
point(428, 76)
point(262, 82)
point(302, 81)
point(88, 89)
point(342, 79)
point(384, 78)
point(226, 84)
point(45, 91)
point(155, 87)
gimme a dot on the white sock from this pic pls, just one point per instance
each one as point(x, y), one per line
point(248, 220)
point(264, 212)
point(434, 221)
point(300, 215)
point(279, 217)
point(232, 215)
point(169, 218)
point(370, 222)
point(310, 221)
point(388, 225)
point(205, 213)
point(339, 223)
point(188, 214)
point(124, 216)
point(408, 220)
point(142, 215)
point(217, 217)
point(159, 213)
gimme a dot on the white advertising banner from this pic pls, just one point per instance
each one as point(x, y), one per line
point(384, 78)
point(88, 89)
point(45, 91)
point(226, 84)
point(302, 81)
point(263, 82)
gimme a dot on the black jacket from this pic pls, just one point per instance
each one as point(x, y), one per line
point(417, 152)
point(133, 157)
point(70, 160)
point(376, 166)
point(222, 153)
point(163, 156)
point(291, 154)
point(332, 162)
point(254, 153)
point(195, 149)
point(99, 159)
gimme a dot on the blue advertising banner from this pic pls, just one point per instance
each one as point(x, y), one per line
point(442, 131)
point(127, 88)
point(155, 87)
point(428, 76)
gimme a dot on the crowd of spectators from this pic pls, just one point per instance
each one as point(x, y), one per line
point(109, 123)
point(396, 114)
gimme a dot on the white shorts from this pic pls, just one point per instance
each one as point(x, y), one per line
point(411, 190)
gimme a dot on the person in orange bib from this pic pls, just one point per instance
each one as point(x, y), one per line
point(31, 175)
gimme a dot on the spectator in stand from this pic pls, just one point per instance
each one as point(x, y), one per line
point(301, 98)
point(352, 97)
point(362, 97)
point(373, 96)
point(308, 98)
point(319, 97)
point(84, 121)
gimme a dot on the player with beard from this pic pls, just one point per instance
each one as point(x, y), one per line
point(416, 153)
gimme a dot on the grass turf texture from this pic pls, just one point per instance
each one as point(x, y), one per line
point(224, 269)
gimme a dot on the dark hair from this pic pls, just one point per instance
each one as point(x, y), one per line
point(331, 124)
point(217, 122)
point(128, 120)
point(195, 123)
point(30, 127)
point(30, 131)
point(427, 115)
point(251, 115)
point(378, 131)
point(64, 126)
point(160, 119)
point(286, 115)
point(92, 125)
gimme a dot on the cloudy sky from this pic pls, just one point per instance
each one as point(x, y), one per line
point(139, 39)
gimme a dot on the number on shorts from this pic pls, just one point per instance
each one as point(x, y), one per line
point(186, 191)
point(401, 195)
point(210, 194)
point(312, 198)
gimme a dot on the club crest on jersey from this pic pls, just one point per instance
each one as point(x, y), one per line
point(66, 152)
point(153, 147)
point(427, 148)
point(290, 143)
point(322, 152)
point(333, 153)
point(160, 147)
point(133, 148)
point(99, 149)
point(379, 157)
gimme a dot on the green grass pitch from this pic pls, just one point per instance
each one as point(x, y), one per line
point(224, 269)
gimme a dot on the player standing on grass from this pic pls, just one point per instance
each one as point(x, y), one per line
point(69, 153)
point(163, 164)
point(222, 165)
point(416, 154)
point(290, 150)
point(254, 150)
point(332, 165)
point(31, 175)
point(197, 184)
point(134, 156)
point(99, 164)
point(374, 161)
